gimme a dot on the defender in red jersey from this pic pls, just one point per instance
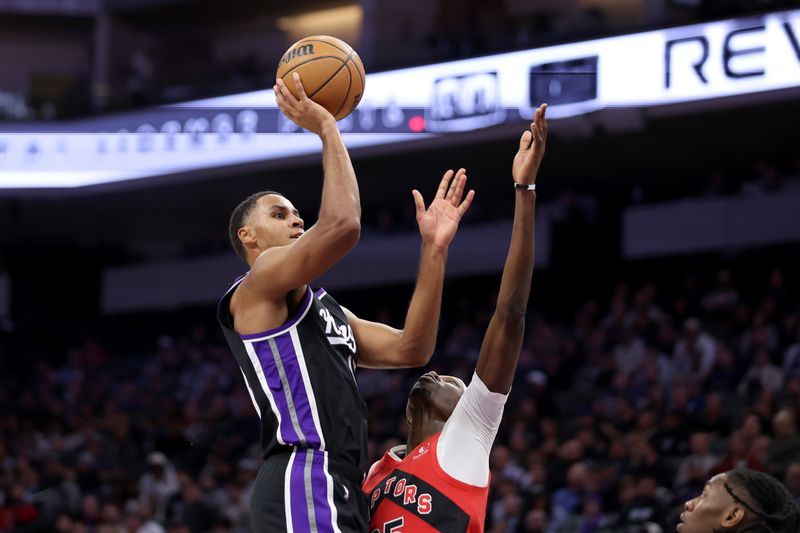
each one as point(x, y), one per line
point(442, 483)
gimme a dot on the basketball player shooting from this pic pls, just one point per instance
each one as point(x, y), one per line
point(439, 480)
point(298, 348)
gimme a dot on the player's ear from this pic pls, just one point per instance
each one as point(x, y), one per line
point(246, 235)
point(733, 515)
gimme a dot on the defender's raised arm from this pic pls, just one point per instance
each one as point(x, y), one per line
point(381, 346)
point(497, 361)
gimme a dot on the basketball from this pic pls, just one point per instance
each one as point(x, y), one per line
point(331, 71)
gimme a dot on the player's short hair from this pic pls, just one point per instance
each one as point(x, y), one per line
point(238, 218)
point(771, 507)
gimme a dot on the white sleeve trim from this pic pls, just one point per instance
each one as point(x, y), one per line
point(467, 437)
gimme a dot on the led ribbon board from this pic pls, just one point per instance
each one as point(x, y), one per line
point(689, 63)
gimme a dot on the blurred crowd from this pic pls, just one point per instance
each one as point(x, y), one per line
point(618, 415)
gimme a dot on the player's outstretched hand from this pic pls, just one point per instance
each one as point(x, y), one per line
point(439, 222)
point(531, 149)
point(303, 111)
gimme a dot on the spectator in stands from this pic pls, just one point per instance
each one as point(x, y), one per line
point(645, 506)
point(535, 521)
point(142, 514)
point(568, 500)
point(714, 420)
point(778, 293)
point(701, 458)
point(90, 510)
point(656, 369)
point(791, 358)
point(724, 374)
point(504, 467)
point(695, 352)
point(792, 480)
point(738, 456)
point(761, 335)
point(785, 446)
point(506, 513)
point(18, 509)
point(596, 372)
point(159, 483)
point(762, 376)
point(629, 353)
point(592, 517)
point(722, 299)
point(191, 508)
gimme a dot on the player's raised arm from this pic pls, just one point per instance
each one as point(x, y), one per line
point(283, 268)
point(381, 346)
point(497, 361)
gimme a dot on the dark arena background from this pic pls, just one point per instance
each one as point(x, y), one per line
point(662, 338)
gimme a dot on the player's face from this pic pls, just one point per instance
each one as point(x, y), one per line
point(275, 222)
point(436, 393)
point(706, 512)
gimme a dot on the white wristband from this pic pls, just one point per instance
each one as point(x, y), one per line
point(525, 186)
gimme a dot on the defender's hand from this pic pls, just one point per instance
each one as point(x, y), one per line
point(531, 149)
point(438, 224)
point(303, 111)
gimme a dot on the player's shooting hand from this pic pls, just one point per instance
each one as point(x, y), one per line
point(302, 110)
point(531, 149)
point(439, 222)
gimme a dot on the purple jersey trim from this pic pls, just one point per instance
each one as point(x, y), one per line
point(304, 307)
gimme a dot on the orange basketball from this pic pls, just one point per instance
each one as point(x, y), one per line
point(331, 72)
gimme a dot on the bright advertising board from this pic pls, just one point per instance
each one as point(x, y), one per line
point(683, 64)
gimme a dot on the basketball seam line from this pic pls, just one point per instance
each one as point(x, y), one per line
point(358, 71)
point(349, 86)
point(306, 62)
point(344, 64)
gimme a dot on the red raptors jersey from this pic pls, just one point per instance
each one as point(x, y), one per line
point(414, 495)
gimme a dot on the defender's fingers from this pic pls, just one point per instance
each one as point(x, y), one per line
point(544, 118)
point(455, 199)
point(454, 184)
point(525, 140)
point(442, 191)
point(466, 203)
point(419, 203)
point(539, 132)
point(537, 121)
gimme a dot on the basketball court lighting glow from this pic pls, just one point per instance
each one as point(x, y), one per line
point(322, 21)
